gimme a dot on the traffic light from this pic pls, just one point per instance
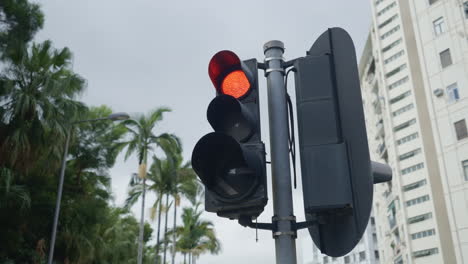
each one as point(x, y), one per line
point(230, 162)
point(337, 174)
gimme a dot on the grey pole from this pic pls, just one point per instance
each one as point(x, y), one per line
point(113, 117)
point(285, 243)
point(59, 198)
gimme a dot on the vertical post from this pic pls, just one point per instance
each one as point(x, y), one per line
point(59, 198)
point(142, 224)
point(285, 236)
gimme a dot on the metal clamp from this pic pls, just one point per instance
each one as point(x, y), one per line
point(267, 71)
point(267, 59)
point(291, 220)
point(286, 218)
point(288, 233)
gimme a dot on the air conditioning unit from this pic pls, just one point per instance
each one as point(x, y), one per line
point(438, 92)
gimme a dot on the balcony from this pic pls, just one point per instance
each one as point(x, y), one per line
point(377, 105)
point(382, 150)
point(380, 129)
point(370, 78)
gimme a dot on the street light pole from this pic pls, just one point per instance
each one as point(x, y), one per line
point(113, 117)
point(59, 197)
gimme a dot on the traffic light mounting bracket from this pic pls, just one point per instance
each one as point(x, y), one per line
point(273, 226)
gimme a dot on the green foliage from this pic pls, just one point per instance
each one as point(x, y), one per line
point(19, 21)
point(38, 97)
point(90, 231)
point(196, 236)
point(38, 107)
point(143, 141)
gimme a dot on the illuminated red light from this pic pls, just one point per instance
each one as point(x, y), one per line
point(235, 84)
point(225, 71)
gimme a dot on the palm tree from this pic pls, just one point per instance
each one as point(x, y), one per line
point(38, 94)
point(175, 180)
point(168, 178)
point(143, 141)
point(160, 174)
point(196, 236)
point(185, 184)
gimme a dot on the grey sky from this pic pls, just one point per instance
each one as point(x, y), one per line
point(142, 54)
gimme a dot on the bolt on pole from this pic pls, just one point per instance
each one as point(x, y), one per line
point(285, 236)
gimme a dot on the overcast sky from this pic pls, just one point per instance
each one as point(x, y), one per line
point(143, 54)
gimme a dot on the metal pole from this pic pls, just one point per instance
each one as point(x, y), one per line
point(59, 198)
point(285, 236)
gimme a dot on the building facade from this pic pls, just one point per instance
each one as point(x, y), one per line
point(414, 81)
point(365, 251)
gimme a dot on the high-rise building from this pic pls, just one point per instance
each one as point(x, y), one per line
point(414, 81)
point(365, 251)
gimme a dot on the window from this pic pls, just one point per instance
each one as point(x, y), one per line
point(419, 218)
point(465, 8)
point(439, 26)
point(412, 168)
point(385, 9)
point(394, 57)
point(425, 252)
point(362, 256)
point(403, 109)
point(347, 259)
point(452, 93)
point(404, 125)
point(465, 169)
point(391, 45)
point(414, 185)
point(418, 200)
point(388, 21)
point(378, 2)
point(400, 97)
point(445, 58)
point(396, 70)
point(407, 138)
point(398, 260)
point(398, 83)
point(432, 1)
point(376, 254)
point(409, 154)
point(390, 32)
point(422, 234)
point(460, 129)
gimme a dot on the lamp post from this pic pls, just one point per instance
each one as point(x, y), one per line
point(113, 117)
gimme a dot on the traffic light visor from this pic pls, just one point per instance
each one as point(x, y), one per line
point(227, 74)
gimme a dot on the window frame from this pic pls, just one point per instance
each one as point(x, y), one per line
point(460, 134)
point(443, 56)
point(439, 26)
point(464, 164)
point(452, 93)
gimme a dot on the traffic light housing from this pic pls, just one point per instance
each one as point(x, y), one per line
point(337, 175)
point(230, 162)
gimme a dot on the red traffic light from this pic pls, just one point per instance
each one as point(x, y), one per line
point(227, 74)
